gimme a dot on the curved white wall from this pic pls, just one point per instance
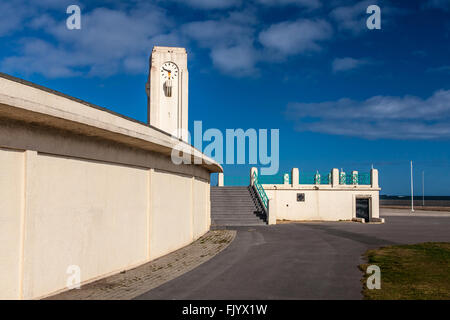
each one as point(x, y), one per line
point(82, 186)
point(102, 217)
point(11, 202)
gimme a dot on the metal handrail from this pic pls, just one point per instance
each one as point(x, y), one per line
point(364, 178)
point(260, 190)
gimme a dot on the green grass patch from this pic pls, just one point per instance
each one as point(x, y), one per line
point(410, 272)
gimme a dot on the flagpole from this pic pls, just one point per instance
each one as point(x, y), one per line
point(412, 188)
point(423, 188)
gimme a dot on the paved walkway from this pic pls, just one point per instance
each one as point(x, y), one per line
point(391, 212)
point(132, 283)
point(299, 260)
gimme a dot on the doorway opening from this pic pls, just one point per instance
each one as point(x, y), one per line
point(363, 208)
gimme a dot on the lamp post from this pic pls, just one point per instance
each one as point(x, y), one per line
point(412, 189)
point(423, 188)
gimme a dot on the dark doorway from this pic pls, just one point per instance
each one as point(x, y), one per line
point(362, 209)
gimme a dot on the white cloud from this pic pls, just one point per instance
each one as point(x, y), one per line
point(407, 117)
point(44, 58)
point(211, 33)
point(227, 4)
point(41, 21)
point(288, 38)
point(12, 16)
point(238, 60)
point(120, 40)
point(347, 63)
point(15, 14)
point(210, 4)
point(53, 4)
point(119, 37)
point(352, 18)
point(310, 4)
point(230, 42)
point(109, 41)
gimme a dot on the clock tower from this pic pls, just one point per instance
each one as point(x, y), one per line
point(167, 91)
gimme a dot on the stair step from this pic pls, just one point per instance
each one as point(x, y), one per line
point(232, 216)
point(229, 188)
point(231, 199)
point(235, 206)
point(238, 214)
point(241, 224)
point(235, 209)
point(217, 220)
point(228, 220)
point(233, 223)
point(230, 206)
point(224, 194)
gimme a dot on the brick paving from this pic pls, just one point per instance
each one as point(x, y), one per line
point(132, 283)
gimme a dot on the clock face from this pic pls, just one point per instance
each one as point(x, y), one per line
point(169, 71)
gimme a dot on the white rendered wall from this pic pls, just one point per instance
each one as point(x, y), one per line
point(87, 188)
point(320, 204)
point(102, 217)
point(11, 200)
point(84, 213)
point(200, 203)
point(171, 226)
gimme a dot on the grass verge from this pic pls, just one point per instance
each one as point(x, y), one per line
point(419, 271)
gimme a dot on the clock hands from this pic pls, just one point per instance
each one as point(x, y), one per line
point(169, 78)
point(170, 72)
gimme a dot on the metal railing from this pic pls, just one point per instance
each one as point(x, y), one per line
point(314, 178)
point(274, 179)
point(325, 179)
point(349, 179)
point(364, 179)
point(260, 190)
point(304, 178)
point(355, 179)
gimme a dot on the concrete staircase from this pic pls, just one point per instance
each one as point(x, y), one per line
point(236, 206)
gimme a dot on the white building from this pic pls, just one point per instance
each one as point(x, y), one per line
point(332, 197)
point(82, 186)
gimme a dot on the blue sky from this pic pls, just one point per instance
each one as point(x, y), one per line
point(342, 95)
